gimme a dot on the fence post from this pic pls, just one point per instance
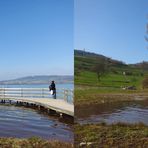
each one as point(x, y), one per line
point(42, 92)
point(21, 92)
point(4, 92)
point(72, 95)
point(66, 95)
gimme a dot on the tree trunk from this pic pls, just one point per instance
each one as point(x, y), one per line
point(98, 77)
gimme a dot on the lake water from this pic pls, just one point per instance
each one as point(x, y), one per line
point(24, 122)
point(58, 86)
point(127, 112)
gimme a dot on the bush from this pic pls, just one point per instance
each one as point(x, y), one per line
point(145, 82)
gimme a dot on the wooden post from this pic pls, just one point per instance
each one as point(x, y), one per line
point(61, 115)
point(39, 107)
point(48, 111)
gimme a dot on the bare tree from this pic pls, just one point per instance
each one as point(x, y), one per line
point(100, 69)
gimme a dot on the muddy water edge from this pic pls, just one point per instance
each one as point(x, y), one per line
point(122, 111)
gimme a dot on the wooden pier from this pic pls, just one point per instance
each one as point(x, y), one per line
point(41, 98)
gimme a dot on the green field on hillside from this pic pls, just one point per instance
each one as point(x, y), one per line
point(114, 76)
point(109, 80)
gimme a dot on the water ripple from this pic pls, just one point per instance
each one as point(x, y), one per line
point(23, 123)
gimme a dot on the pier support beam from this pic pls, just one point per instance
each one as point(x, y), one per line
point(48, 111)
point(39, 107)
point(61, 115)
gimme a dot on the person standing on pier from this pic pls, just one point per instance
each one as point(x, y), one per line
point(52, 89)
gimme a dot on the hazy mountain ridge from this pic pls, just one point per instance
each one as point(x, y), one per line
point(44, 79)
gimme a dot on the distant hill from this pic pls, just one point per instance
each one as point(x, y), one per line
point(86, 60)
point(44, 79)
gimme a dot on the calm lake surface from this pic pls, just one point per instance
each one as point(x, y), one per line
point(24, 122)
point(128, 112)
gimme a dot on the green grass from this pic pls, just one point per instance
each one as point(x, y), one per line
point(109, 80)
point(118, 135)
point(33, 142)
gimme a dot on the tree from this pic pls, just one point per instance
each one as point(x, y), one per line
point(100, 69)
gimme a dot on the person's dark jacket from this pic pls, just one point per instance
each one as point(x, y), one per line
point(52, 86)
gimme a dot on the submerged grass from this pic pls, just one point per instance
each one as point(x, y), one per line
point(87, 95)
point(120, 135)
point(33, 142)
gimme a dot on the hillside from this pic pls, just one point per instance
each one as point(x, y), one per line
point(114, 77)
point(86, 60)
point(45, 79)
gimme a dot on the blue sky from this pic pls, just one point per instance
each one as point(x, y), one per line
point(115, 28)
point(36, 38)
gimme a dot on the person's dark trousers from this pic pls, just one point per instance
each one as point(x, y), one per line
point(54, 94)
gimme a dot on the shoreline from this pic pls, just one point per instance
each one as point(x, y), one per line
point(33, 142)
point(103, 135)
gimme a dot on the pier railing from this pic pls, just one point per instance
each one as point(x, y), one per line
point(65, 94)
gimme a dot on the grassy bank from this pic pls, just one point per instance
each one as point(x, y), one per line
point(111, 136)
point(117, 73)
point(33, 142)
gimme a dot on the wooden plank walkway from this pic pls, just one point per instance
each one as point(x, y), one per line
point(57, 105)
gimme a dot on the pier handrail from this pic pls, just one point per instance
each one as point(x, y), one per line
point(65, 94)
